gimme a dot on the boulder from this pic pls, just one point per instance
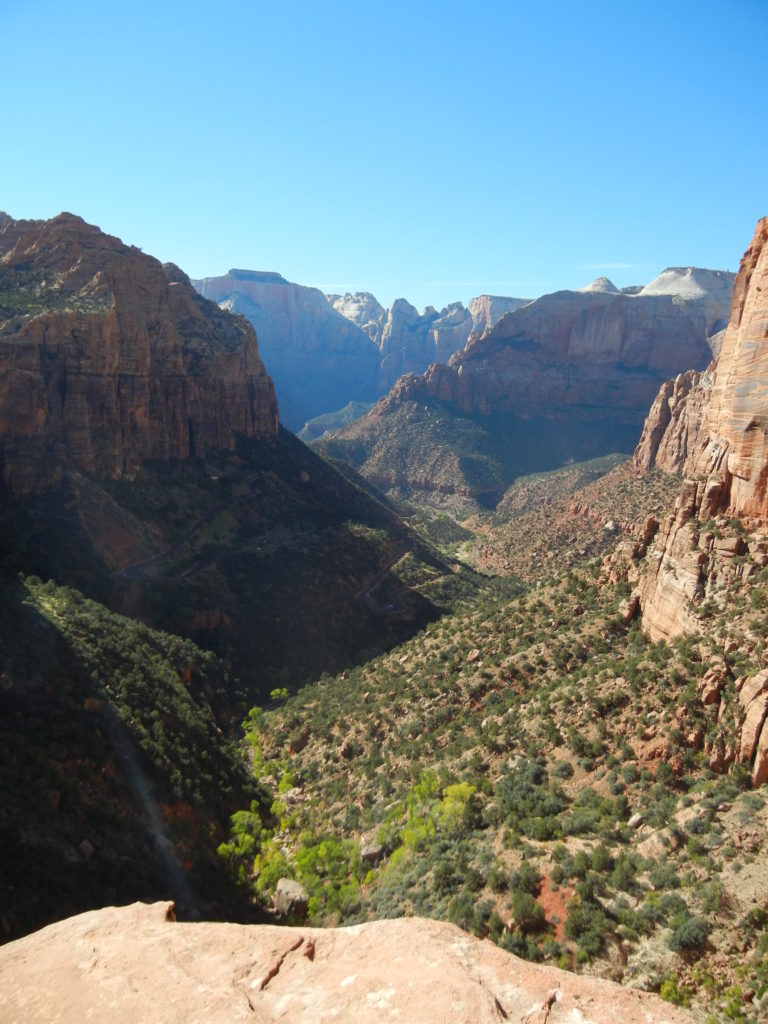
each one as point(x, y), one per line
point(371, 853)
point(291, 899)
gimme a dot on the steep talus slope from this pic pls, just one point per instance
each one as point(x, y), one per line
point(108, 358)
point(568, 376)
point(714, 429)
point(139, 958)
point(541, 773)
point(265, 555)
point(547, 522)
point(318, 359)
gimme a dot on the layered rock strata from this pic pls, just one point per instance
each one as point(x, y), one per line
point(735, 453)
point(590, 355)
point(137, 963)
point(318, 359)
point(672, 429)
point(715, 425)
point(109, 358)
point(713, 428)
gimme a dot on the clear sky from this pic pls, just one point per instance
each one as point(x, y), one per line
point(431, 150)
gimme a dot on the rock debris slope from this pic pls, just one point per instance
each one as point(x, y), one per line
point(135, 963)
point(109, 358)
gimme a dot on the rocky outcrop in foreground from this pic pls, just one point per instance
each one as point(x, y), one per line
point(108, 358)
point(137, 964)
point(712, 427)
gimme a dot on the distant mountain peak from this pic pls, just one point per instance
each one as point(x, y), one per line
point(260, 276)
point(691, 283)
point(601, 284)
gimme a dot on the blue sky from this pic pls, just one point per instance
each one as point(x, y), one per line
point(431, 150)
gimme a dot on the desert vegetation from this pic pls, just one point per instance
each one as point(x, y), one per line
point(537, 771)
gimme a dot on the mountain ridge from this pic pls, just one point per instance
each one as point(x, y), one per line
point(108, 358)
point(568, 375)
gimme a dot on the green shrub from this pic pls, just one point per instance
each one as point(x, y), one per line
point(690, 934)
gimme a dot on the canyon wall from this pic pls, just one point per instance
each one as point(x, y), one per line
point(109, 358)
point(318, 359)
point(597, 354)
point(410, 341)
point(713, 428)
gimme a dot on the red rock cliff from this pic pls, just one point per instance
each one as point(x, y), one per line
point(714, 428)
point(108, 358)
point(735, 453)
point(591, 356)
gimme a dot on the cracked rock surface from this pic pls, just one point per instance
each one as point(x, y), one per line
point(136, 962)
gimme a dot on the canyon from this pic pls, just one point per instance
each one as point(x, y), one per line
point(326, 351)
point(274, 679)
point(568, 376)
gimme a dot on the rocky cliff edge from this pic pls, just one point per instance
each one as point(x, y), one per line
point(137, 963)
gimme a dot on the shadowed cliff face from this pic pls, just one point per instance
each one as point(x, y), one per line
point(108, 358)
point(317, 358)
point(712, 427)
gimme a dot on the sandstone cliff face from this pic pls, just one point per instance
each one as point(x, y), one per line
point(362, 309)
point(736, 451)
point(487, 310)
point(590, 355)
point(107, 359)
point(410, 341)
point(137, 963)
point(568, 376)
point(318, 359)
point(713, 428)
point(672, 429)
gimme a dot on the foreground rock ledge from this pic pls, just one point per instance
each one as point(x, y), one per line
point(136, 964)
